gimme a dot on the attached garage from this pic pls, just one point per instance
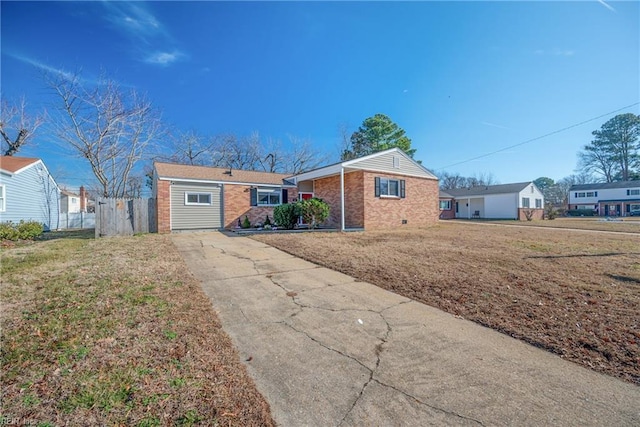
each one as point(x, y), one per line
point(196, 206)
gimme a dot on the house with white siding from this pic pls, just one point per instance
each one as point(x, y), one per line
point(505, 201)
point(607, 198)
point(28, 192)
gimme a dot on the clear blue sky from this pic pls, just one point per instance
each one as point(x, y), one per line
point(462, 78)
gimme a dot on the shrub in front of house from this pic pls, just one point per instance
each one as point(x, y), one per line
point(246, 223)
point(286, 215)
point(24, 230)
point(314, 211)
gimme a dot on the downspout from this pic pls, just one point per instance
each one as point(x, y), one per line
point(342, 227)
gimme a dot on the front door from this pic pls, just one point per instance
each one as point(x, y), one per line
point(304, 196)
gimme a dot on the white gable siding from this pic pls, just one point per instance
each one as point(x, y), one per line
point(532, 192)
point(385, 163)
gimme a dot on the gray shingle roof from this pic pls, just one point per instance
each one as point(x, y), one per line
point(490, 189)
point(605, 185)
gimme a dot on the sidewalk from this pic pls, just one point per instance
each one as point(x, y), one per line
point(325, 349)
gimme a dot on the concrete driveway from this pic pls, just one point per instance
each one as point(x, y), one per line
point(328, 350)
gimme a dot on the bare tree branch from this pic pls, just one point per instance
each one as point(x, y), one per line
point(16, 126)
point(107, 126)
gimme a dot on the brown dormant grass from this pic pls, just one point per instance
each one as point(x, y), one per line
point(115, 332)
point(574, 293)
point(620, 225)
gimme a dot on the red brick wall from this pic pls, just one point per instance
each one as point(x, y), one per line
point(163, 206)
point(448, 213)
point(237, 204)
point(419, 208)
point(328, 189)
point(537, 213)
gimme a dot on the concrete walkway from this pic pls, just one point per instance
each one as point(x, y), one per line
point(328, 350)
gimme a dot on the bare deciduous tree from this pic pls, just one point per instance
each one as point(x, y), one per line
point(301, 156)
point(16, 126)
point(450, 181)
point(190, 148)
point(230, 151)
point(107, 126)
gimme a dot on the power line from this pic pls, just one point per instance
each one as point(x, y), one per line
point(538, 137)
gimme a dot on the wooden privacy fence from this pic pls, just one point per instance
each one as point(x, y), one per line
point(125, 217)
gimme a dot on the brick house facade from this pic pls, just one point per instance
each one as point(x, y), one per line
point(383, 190)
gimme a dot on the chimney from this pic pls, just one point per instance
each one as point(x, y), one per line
point(83, 199)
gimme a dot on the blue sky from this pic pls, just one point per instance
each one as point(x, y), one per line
point(464, 79)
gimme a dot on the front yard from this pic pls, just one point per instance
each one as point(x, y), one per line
point(576, 294)
point(115, 332)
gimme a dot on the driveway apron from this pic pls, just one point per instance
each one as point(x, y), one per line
point(328, 350)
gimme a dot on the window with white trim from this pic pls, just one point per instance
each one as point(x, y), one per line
point(269, 196)
point(634, 192)
point(445, 205)
point(389, 187)
point(538, 203)
point(2, 198)
point(525, 202)
point(202, 199)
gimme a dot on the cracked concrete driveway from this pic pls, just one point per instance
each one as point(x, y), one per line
point(325, 349)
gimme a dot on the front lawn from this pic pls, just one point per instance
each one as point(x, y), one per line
point(115, 332)
point(574, 293)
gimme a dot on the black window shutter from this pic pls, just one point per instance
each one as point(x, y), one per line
point(254, 197)
point(377, 181)
point(596, 194)
point(285, 195)
point(576, 195)
point(402, 188)
point(628, 192)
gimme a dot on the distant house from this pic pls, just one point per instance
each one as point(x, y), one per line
point(606, 199)
point(383, 190)
point(447, 205)
point(73, 203)
point(28, 192)
point(506, 201)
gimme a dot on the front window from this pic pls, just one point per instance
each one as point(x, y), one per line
point(635, 192)
point(389, 187)
point(445, 205)
point(538, 203)
point(268, 197)
point(197, 199)
point(525, 202)
point(74, 200)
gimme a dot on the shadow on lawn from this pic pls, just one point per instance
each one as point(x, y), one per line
point(69, 234)
point(581, 255)
point(626, 279)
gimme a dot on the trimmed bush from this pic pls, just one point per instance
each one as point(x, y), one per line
point(286, 216)
point(314, 211)
point(24, 230)
point(246, 223)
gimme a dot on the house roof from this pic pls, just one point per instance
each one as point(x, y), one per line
point(605, 185)
point(205, 173)
point(490, 189)
point(13, 164)
point(69, 193)
point(335, 168)
point(445, 195)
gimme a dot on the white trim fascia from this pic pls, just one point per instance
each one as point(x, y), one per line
point(208, 181)
point(395, 173)
point(352, 164)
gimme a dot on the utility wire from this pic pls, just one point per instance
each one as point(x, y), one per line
point(538, 137)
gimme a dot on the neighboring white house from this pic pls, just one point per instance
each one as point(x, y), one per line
point(606, 199)
point(69, 202)
point(505, 201)
point(28, 192)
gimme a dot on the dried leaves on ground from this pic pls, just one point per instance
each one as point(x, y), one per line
point(116, 332)
point(574, 293)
